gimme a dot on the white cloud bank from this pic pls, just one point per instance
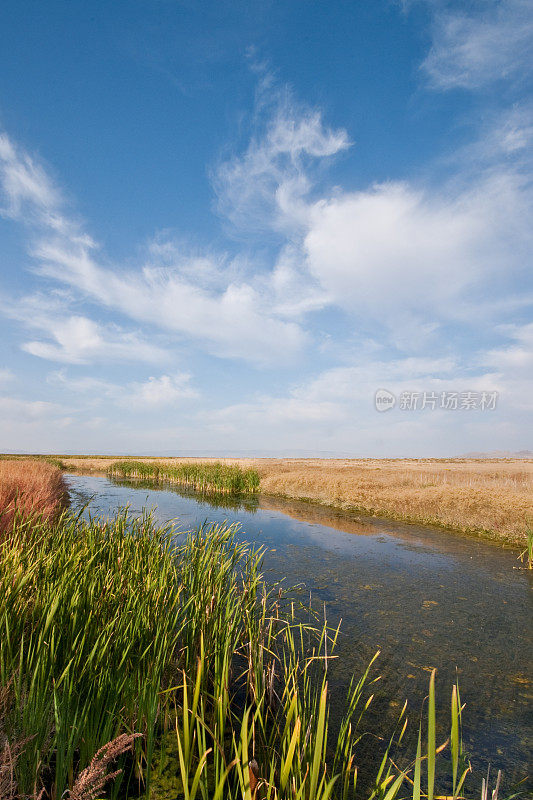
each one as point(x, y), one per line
point(396, 251)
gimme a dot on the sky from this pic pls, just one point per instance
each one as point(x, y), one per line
point(225, 226)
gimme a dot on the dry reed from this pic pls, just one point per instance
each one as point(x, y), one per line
point(31, 487)
point(92, 779)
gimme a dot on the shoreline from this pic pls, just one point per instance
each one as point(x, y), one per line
point(490, 499)
point(433, 522)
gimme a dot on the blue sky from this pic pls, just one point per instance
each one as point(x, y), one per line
point(225, 225)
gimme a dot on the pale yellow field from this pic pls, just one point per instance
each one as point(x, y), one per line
point(494, 497)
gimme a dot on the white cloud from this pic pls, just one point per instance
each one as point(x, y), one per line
point(13, 409)
point(519, 354)
point(481, 44)
point(40, 426)
point(406, 258)
point(295, 291)
point(232, 321)
point(236, 322)
point(79, 340)
point(164, 390)
point(24, 182)
point(334, 411)
point(73, 338)
point(512, 365)
point(340, 395)
point(513, 132)
point(264, 187)
point(395, 253)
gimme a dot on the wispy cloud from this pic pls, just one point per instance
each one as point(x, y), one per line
point(512, 365)
point(336, 408)
point(480, 44)
point(6, 376)
point(263, 187)
point(155, 392)
point(25, 183)
point(14, 409)
point(74, 338)
point(234, 321)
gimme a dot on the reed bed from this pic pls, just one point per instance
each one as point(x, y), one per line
point(202, 477)
point(30, 487)
point(490, 497)
point(118, 636)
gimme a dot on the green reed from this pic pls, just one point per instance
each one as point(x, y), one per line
point(113, 626)
point(90, 617)
point(203, 477)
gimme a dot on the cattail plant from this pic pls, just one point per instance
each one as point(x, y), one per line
point(117, 635)
point(202, 477)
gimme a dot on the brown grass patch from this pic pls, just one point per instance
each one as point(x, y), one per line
point(31, 487)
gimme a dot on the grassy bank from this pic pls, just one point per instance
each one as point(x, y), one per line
point(112, 628)
point(33, 487)
point(491, 497)
point(202, 477)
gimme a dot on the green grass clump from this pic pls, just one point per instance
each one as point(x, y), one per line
point(133, 469)
point(203, 477)
point(110, 627)
point(90, 617)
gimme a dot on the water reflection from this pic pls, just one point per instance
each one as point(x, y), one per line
point(424, 597)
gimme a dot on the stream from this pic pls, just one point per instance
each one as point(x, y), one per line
point(422, 596)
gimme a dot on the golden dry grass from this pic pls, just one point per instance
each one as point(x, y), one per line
point(32, 487)
point(492, 496)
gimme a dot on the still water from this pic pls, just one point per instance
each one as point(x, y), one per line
point(423, 597)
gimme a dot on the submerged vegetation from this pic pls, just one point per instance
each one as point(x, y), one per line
point(201, 476)
point(117, 636)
